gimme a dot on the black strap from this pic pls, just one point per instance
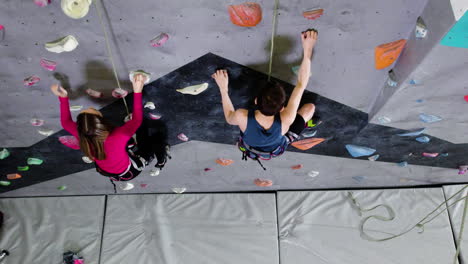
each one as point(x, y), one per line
point(113, 183)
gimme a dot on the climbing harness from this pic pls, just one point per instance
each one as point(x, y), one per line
point(257, 155)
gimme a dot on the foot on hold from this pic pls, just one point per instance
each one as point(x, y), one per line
point(315, 121)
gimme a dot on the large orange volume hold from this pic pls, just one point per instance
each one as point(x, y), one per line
point(308, 143)
point(246, 14)
point(386, 54)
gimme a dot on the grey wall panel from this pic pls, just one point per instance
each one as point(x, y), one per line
point(456, 216)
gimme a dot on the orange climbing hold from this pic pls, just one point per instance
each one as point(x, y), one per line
point(307, 143)
point(313, 14)
point(296, 167)
point(386, 54)
point(13, 176)
point(245, 15)
point(263, 182)
point(224, 162)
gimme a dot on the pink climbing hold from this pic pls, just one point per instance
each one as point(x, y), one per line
point(159, 40)
point(296, 167)
point(94, 93)
point(155, 117)
point(430, 155)
point(263, 182)
point(31, 81)
point(48, 64)
point(70, 141)
point(462, 169)
point(37, 122)
point(182, 137)
point(42, 3)
point(2, 27)
point(143, 185)
point(466, 98)
point(119, 93)
point(313, 14)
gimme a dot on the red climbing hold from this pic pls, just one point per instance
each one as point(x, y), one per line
point(308, 143)
point(245, 15)
point(296, 167)
point(313, 14)
point(2, 27)
point(386, 54)
point(263, 182)
point(466, 98)
point(70, 141)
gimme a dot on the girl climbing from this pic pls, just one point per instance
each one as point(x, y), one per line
point(108, 146)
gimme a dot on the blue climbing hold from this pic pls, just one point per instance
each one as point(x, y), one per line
point(426, 118)
point(419, 101)
point(402, 164)
point(412, 133)
point(423, 139)
point(358, 179)
point(295, 69)
point(445, 154)
point(359, 151)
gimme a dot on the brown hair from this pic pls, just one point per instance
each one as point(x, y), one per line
point(92, 130)
point(271, 98)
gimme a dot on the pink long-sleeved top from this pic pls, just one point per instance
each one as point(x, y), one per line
point(117, 160)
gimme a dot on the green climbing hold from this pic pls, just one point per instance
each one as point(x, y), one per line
point(23, 168)
point(34, 161)
point(62, 188)
point(4, 154)
point(5, 183)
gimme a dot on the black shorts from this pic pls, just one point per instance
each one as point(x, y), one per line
point(298, 125)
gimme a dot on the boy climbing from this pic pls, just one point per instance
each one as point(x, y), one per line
point(267, 131)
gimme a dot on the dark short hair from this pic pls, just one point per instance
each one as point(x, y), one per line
point(271, 98)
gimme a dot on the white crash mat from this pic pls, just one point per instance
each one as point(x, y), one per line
point(456, 215)
point(322, 227)
point(40, 230)
point(191, 228)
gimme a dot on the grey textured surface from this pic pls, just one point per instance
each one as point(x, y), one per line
point(456, 216)
point(191, 228)
point(40, 230)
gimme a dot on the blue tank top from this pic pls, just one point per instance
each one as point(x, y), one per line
point(263, 139)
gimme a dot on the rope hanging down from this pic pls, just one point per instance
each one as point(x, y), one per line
point(109, 50)
point(273, 34)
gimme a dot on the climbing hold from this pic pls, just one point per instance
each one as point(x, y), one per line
point(34, 161)
point(127, 186)
point(313, 14)
point(42, 3)
point(45, 132)
point(384, 120)
point(402, 164)
point(374, 158)
point(358, 179)
point(65, 44)
point(359, 151)
point(31, 80)
point(419, 101)
point(156, 117)
point(150, 105)
point(2, 27)
point(263, 182)
point(128, 118)
point(430, 155)
point(308, 134)
point(457, 35)
point(36, 122)
point(423, 139)
point(155, 172)
point(4, 153)
point(194, 89)
point(75, 8)
point(76, 108)
point(392, 80)
point(313, 174)
point(307, 143)
point(87, 159)
point(414, 82)
point(296, 167)
point(295, 70)
point(22, 168)
point(142, 72)
point(466, 98)
point(445, 154)
point(429, 118)
point(182, 137)
point(224, 162)
point(70, 141)
point(421, 28)
point(143, 185)
point(119, 93)
point(94, 93)
point(462, 169)
point(13, 176)
point(386, 54)
point(246, 14)
point(62, 188)
point(208, 169)
point(5, 183)
point(311, 123)
point(179, 190)
point(48, 64)
point(412, 133)
point(159, 40)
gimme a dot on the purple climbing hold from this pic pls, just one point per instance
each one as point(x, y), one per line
point(359, 151)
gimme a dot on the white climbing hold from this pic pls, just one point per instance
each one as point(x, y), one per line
point(86, 159)
point(155, 172)
point(65, 44)
point(4, 154)
point(76, 108)
point(154, 116)
point(421, 29)
point(392, 79)
point(150, 105)
point(37, 122)
point(127, 186)
point(313, 174)
point(374, 158)
point(94, 93)
point(182, 137)
point(119, 93)
point(179, 190)
point(194, 89)
point(384, 120)
point(45, 132)
point(142, 72)
point(75, 8)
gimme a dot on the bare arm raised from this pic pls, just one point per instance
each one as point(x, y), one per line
point(309, 39)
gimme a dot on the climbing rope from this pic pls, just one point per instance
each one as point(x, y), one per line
point(273, 34)
point(109, 51)
point(459, 240)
